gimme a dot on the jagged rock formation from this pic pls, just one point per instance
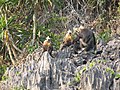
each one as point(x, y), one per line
point(101, 76)
point(67, 71)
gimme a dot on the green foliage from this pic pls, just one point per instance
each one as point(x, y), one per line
point(31, 48)
point(92, 64)
point(100, 61)
point(1, 36)
point(46, 30)
point(91, 3)
point(117, 75)
point(58, 4)
point(18, 73)
point(2, 22)
point(2, 71)
point(20, 88)
point(118, 9)
point(49, 21)
point(49, 3)
point(105, 36)
point(110, 70)
point(84, 69)
point(78, 75)
point(2, 25)
point(4, 78)
point(2, 1)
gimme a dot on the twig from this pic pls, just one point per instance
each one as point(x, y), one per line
point(10, 53)
point(34, 28)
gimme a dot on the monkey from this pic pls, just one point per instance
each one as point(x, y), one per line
point(86, 39)
point(67, 40)
point(47, 45)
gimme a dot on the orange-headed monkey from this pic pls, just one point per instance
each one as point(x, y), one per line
point(47, 45)
point(67, 40)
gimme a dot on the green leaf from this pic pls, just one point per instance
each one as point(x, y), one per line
point(110, 70)
point(117, 75)
point(92, 64)
point(2, 1)
point(1, 35)
point(4, 78)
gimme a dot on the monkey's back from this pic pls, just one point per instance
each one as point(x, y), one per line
point(89, 38)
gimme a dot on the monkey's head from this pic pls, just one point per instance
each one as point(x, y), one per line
point(48, 38)
point(78, 29)
point(69, 32)
point(47, 41)
point(81, 27)
point(75, 29)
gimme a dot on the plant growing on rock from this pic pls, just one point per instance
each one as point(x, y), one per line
point(110, 70)
point(2, 71)
point(20, 88)
point(78, 75)
point(117, 76)
point(105, 36)
point(4, 78)
point(92, 64)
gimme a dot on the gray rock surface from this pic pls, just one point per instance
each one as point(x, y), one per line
point(67, 71)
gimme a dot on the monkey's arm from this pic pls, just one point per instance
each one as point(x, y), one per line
point(82, 42)
point(78, 36)
point(65, 44)
point(75, 40)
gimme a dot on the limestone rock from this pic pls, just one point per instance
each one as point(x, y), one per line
point(67, 71)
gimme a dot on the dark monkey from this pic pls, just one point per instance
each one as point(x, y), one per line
point(85, 39)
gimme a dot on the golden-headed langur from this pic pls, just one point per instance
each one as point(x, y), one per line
point(47, 45)
point(67, 40)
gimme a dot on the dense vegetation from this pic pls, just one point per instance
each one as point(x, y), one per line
point(28, 22)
